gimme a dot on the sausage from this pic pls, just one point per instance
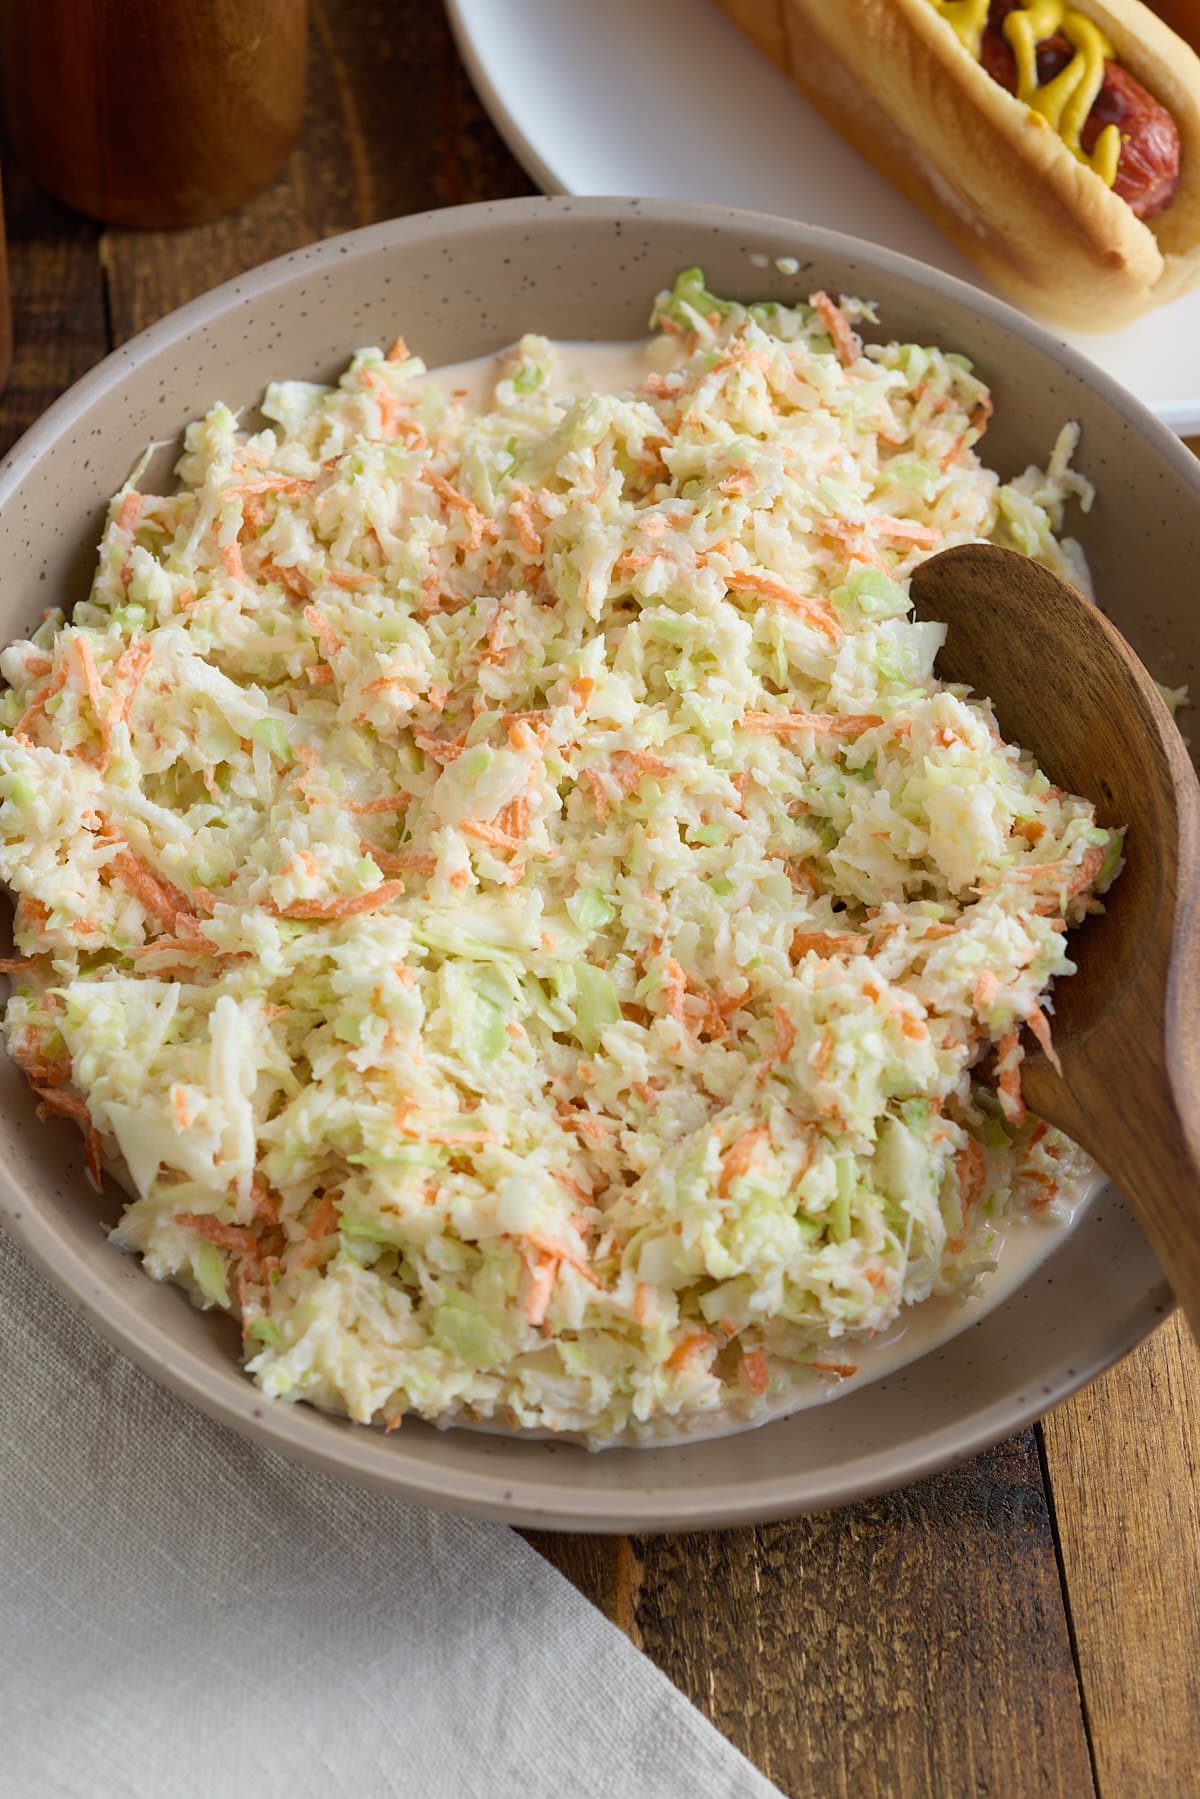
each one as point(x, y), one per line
point(1148, 170)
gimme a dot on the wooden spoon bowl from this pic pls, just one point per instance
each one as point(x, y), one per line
point(1068, 688)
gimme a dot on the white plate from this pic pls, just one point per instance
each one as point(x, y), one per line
point(666, 100)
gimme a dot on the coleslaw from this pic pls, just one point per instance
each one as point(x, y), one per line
point(505, 890)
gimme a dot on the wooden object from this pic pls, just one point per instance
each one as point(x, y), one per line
point(153, 112)
point(1024, 1625)
point(1121, 1457)
point(1067, 687)
point(6, 346)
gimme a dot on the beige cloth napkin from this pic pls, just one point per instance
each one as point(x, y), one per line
point(183, 1614)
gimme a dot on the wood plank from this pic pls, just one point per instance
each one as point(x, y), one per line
point(607, 1570)
point(367, 151)
point(1124, 1463)
point(59, 325)
point(915, 1644)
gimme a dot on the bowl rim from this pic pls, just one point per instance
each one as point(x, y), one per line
point(522, 1498)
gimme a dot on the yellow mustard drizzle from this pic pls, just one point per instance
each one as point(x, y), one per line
point(968, 17)
point(1065, 102)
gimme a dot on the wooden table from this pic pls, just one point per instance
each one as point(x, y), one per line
point(1027, 1624)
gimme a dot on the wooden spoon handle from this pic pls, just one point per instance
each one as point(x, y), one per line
point(1181, 1038)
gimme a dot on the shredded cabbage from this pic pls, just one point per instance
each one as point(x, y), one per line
point(505, 889)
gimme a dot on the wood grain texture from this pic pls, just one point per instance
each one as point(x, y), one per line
point(153, 112)
point(1124, 1462)
point(57, 290)
point(915, 1644)
point(391, 127)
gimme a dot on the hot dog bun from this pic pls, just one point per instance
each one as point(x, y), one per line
point(894, 78)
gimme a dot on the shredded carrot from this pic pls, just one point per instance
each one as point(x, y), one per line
point(388, 802)
point(905, 530)
point(277, 484)
point(323, 631)
point(525, 528)
point(292, 580)
point(180, 947)
point(348, 905)
point(1087, 871)
point(585, 1124)
point(127, 674)
point(442, 749)
point(599, 797)
point(690, 1350)
point(129, 512)
point(739, 1157)
point(398, 352)
point(820, 1057)
point(562, 1252)
point(986, 989)
point(785, 1041)
point(501, 840)
point(629, 767)
point(754, 1367)
point(226, 1236)
point(158, 896)
point(1039, 1024)
point(949, 457)
point(351, 578)
point(478, 1139)
point(541, 1272)
point(21, 964)
point(478, 526)
point(674, 989)
point(827, 943)
point(265, 1203)
point(324, 1219)
point(817, 612)
point(981, 413)
point(37, 704)
point(401, 862)
point(842, 1369)
point(824, 724)
point(1008, 1068)
point(846, 345)
point(63, 1105)
point(318, 674)
point(231, 556)
point(387, 402)
point(971, 1167)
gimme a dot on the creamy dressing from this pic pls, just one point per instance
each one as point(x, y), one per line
point(1025, 1243)
point(606, 367)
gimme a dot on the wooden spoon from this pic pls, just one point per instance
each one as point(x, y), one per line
point(1068, 688)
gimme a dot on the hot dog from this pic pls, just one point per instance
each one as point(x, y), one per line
point(1057, 143)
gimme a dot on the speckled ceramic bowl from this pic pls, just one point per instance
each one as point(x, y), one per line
point(458, 284)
